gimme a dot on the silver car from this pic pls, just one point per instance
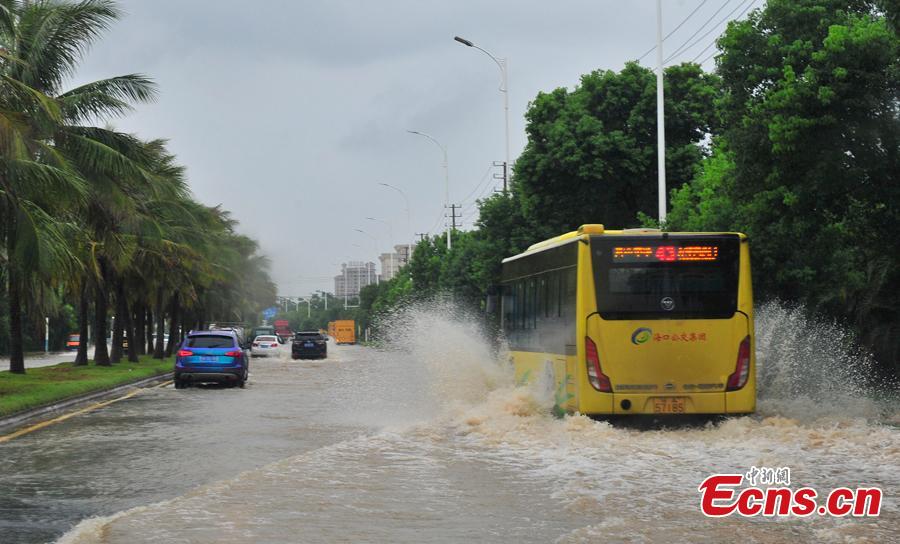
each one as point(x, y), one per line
point(263, 346)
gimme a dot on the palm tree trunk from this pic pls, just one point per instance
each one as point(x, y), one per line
point(140, 333)
point(149, 329)
point(129, 330)
point(83, 310)
point(16, 349)
point(101, 304)
point(118, 325)
point(173, 325)
point(159, 348)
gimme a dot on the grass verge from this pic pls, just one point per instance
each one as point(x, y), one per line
point(47, 385)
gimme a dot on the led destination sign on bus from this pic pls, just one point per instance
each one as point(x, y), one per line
point(654, 254)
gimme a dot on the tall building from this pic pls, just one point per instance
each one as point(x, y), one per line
point(391, 263)
point(354, 276)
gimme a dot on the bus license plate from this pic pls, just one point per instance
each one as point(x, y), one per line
point(668, 405)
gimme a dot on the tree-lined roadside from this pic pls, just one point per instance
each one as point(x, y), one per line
point(99, 222)
point(49, 385)
point(794, 140)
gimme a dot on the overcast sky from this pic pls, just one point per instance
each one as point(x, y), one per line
point(289, 113)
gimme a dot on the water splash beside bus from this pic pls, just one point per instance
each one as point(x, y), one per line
point(810, 367)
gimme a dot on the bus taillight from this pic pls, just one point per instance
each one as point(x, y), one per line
point(738, 378)
point(598, 379)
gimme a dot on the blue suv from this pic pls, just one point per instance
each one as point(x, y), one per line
point(211, 356)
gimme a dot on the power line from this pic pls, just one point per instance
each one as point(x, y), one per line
point(487, 189)
point(711, 55)
point(681, 47)
point(480, 183)
point(691, 14)
point(741, 14)
point(441, 215)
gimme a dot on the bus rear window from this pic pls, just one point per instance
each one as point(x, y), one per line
point(680, 277)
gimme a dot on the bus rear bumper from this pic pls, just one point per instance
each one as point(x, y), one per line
point(735, 402)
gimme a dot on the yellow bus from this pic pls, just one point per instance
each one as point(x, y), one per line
point(634, 321)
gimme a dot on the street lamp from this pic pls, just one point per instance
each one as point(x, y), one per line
point(374, 241)
point(390, 240)
point(408, 218)
point(308, 306)
point(503, 64)
point(446, 177)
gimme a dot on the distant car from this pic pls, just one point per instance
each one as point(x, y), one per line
point(212, 356)
point(264, 345)
point(309, 345)
point(73, 341)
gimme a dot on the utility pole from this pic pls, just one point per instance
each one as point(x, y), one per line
point(504, 175)
point(421, 236)
point(453, 217)
point(660, 115)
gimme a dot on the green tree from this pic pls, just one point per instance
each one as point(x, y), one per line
point(807, 163)
point(591, 152)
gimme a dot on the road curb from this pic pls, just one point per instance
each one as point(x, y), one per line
point(32, 415)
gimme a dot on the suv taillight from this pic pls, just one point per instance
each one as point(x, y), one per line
point(185, 353)
point(236, 353)
point(598, 379)
point(738, 378)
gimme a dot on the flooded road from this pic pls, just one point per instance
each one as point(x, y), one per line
point(425, 442)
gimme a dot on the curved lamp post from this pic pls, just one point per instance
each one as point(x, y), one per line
point(446, 176)
point(503, 64)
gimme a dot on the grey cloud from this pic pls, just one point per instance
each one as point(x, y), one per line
point(290, 112)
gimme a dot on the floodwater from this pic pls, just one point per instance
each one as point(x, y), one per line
point(425, 440)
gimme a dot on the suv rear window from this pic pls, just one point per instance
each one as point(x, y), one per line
point(210, 341)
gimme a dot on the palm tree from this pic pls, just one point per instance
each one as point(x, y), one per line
point(101, 212)
point(45, 147)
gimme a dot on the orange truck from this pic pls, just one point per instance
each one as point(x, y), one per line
point(344, 331)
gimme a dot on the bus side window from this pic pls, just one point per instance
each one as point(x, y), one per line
point(520, 305)
point(542, 297)
point(567, 305)
point(529, 304)
point(509, 307)
point(562, 293)
point(553, 295)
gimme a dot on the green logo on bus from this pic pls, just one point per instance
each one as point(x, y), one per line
point(641, 336)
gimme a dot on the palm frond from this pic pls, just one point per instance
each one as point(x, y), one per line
point(54, 36)
point(30, 177)
point(107, 97)
point(8, 17)
point(102, 152)
point(45, 103)
point(40, 245)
